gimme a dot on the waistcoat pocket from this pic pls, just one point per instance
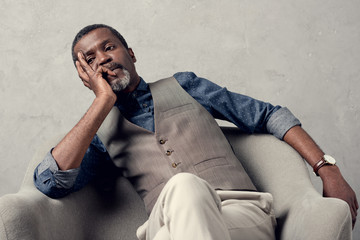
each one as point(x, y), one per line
point(209, 163)
point(178, 109)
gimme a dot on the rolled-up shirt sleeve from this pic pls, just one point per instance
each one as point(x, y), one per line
point(51, 181)
point(56, 183)
point(281, 121)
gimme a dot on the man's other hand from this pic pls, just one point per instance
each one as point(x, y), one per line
point(334, 185)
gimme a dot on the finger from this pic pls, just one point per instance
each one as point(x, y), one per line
point(353, 216)
point(81, 56)
point(86, 67)
point(102, 70)
point(108, 71)
point(79, 68)
point(355, 206)
point(86, 84)
point(353, 223)
point(82, 74)
point(355, 210)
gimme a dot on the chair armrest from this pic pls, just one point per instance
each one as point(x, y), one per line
point(31, 215)
point(275, 167)
point(87, 214)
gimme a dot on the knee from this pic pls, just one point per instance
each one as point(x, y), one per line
point(185, 180)
point(190, 188)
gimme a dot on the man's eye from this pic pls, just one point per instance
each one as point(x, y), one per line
point(90, 60)
point(109, 48)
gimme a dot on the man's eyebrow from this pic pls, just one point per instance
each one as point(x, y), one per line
point(91, 51)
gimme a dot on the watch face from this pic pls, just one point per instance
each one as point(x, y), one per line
point(329, 159)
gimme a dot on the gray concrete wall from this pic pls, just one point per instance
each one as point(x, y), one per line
point(301, 54)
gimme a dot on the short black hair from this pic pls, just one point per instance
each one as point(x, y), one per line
point(90, 28)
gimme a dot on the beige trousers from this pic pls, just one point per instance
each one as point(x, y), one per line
point(188, 208)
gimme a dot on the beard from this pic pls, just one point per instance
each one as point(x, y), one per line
point(121, 83)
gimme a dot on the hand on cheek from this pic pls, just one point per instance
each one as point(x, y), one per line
point(94, 79)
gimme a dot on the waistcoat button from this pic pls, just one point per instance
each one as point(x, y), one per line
point(162, 141)
point(174, 165)
point(169, 152)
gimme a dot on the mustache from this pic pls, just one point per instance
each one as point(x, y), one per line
point(113, 65)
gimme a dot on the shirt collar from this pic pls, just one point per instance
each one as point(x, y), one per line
point(140, 90)
point(142, 87)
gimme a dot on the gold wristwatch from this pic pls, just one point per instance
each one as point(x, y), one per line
point(325, 160)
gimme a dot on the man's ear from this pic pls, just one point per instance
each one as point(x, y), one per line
point(132, 55)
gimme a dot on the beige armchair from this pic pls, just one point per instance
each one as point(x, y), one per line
point(302, 213)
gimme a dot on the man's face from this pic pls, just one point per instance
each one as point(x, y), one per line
point(102, 48)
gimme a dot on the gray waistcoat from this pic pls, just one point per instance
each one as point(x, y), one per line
point(186, 139)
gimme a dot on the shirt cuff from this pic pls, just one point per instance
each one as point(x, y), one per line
point(48, 163)
point(281, 121)
point(63, 179)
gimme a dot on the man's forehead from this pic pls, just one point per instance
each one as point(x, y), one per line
point(94, 38)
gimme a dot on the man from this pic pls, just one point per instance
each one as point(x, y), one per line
point(164, 139)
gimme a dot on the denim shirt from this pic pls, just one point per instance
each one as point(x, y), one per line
point(248, 114)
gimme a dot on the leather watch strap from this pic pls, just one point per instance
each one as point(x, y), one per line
point(318, 165)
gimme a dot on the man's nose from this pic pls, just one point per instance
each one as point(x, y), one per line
point(104, 58)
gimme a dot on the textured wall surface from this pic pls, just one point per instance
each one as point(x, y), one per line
point(301, 54)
